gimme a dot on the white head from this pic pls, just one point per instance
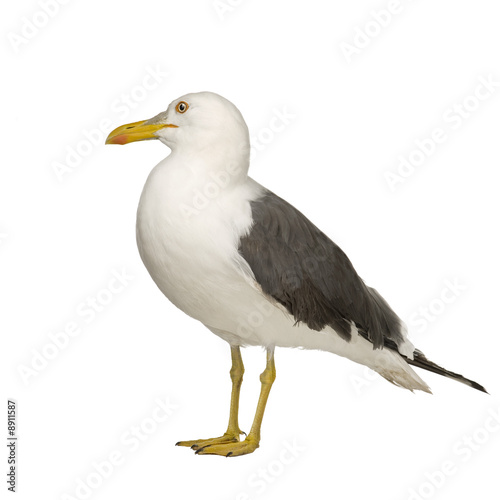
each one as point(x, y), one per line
point(198, 125)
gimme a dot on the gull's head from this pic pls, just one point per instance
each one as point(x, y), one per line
point(202, 122)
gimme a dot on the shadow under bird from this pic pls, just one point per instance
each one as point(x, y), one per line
point(251, 267)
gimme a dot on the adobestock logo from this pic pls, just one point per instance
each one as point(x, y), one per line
point(453, 118)
point(130, 442)
point(277, 124)
point(268, 474)
point(366, 33)
point(462, 451)
point(32, 25)
point(427, 314)
point(93, 139)
point(88, 310)
point(223, 7)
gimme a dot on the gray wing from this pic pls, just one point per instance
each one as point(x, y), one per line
point(302, 269)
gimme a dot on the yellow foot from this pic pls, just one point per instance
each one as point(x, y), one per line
point(230, 449)
point(195, 444)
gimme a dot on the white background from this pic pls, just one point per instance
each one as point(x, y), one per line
point(356, 435)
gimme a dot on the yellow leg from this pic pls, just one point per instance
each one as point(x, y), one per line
point(251, 442)
point(233, 430)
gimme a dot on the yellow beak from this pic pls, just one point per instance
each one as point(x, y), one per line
point(136, 132)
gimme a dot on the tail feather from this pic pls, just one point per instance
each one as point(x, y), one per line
point(419, 360)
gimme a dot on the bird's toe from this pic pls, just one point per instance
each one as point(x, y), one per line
point(196, 444)
point(233, 449)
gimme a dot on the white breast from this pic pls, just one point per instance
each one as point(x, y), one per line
point(188, 241)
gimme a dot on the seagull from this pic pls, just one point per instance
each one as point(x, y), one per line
point(249, 266)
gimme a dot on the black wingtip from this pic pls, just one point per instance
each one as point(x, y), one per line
point(421, 361)
point(477, 386)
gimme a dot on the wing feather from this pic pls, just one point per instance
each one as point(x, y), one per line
point(302, 269)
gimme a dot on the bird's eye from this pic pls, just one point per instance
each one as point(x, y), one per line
point(182, 107)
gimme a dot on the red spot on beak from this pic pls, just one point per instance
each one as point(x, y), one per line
point(119, 139)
